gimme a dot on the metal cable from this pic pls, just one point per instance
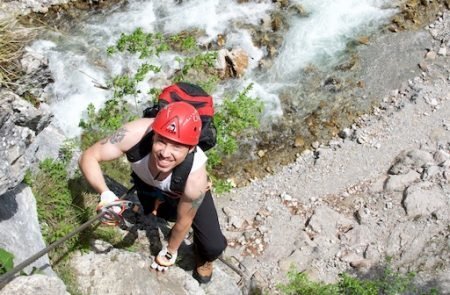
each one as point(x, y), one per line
point(6, 278)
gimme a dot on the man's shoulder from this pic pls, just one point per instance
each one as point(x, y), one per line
point(134, 131)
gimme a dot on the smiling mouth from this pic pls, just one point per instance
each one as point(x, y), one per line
point(163, 163)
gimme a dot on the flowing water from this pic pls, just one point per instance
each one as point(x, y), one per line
point(303, 93)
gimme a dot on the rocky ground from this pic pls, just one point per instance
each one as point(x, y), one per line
point(381, 189)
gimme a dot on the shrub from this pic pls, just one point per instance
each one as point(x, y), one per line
point(388, 283)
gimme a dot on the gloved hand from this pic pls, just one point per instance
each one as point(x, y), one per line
point(164, 259)
point(106, 198)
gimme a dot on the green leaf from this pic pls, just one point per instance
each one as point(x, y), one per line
point(6, 261)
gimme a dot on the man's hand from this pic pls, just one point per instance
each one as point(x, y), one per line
point(106, 198)
point(164, 259)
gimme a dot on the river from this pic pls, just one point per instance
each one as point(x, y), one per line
point(306, 93)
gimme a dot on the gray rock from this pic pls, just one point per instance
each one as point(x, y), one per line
point(410, 160)
point(401, 181)
point(430, 171)
point(21, 233)
point(123, 272)
point(325, 221)
point(423, 199)
point(35, 285)
point(300, 259)
point(20, 123)
point(441, 156)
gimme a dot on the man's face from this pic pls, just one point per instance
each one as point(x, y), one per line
point(167, 154)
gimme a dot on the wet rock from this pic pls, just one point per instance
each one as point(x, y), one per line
point(363, 40)
point(232, 63)
point(345, 133)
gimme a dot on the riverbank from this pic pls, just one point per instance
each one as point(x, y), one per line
point(342, 207)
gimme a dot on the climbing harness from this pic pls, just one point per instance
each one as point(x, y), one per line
point(107, 214)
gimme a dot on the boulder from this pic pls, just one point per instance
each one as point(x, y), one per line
point(20, 123)
point(423, 200)
point(232, 63)
point(21, 233)
point(35, 284)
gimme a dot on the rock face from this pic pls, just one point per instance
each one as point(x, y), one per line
point(20, 123)
point(113, 271)
point(21, 233)
point(35, 284)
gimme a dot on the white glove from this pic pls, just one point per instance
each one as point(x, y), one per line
point(164, 259)
point(108, 197)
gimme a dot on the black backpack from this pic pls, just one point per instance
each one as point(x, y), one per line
point(203, 102)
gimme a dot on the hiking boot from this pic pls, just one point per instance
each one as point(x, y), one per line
point(203, 271)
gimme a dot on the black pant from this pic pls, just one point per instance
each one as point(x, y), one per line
point(208, 238)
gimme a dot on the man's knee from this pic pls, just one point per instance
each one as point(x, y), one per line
point(213, 251)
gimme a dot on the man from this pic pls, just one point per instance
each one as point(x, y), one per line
point(174, 134)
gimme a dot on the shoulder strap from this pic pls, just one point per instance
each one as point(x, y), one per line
point(181, 173)
point(140, 149)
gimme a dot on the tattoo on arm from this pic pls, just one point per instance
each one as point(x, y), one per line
point(116, 137)
point(197, 202)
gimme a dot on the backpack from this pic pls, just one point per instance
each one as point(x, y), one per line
point(203, 102)
point(198, 98)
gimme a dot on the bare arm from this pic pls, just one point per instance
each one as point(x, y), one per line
point(196, 188)
point(107, 149)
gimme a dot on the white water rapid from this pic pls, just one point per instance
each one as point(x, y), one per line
point(78, 60)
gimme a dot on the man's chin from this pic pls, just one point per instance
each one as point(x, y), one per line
point(164, 168)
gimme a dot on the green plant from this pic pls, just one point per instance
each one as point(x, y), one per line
point(392, 282)
point(28, 178)
point(235, 118)
point(350, 285)
point(6, 261)
point(105, 121)
point(68, 276)
point(388, 283)
point(299, 283)
point(55, 206)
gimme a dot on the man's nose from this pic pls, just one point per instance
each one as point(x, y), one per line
point(165, 151)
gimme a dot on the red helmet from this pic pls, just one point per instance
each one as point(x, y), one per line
point(180, 122)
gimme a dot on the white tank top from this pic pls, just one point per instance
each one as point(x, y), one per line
point(140, 168)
